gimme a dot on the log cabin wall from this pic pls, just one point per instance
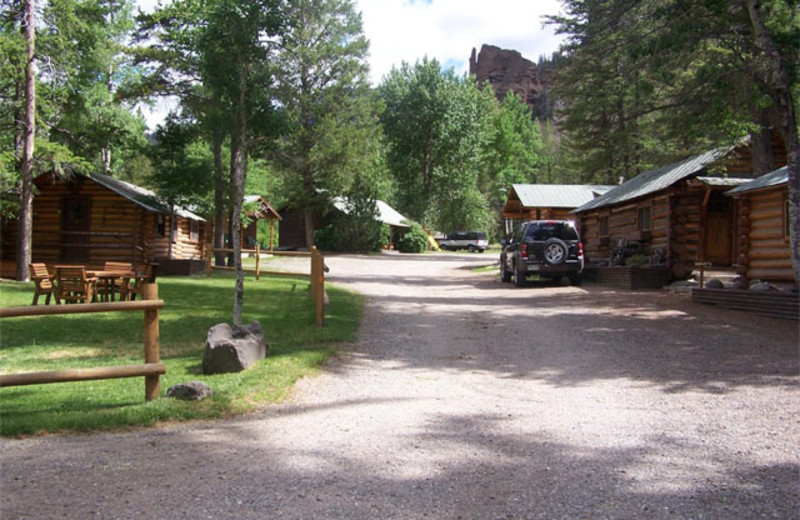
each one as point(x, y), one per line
point(112, 227)
point(763, 241)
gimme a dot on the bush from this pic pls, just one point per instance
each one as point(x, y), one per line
point(415, 240)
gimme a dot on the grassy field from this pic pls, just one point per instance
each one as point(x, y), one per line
point(192, 305)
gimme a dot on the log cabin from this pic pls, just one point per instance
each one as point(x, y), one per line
point(762, 240)
point(90, 219)
point(678, 213)
point(292, 233)
point(546, 202)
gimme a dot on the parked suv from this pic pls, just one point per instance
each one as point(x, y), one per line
point(548, 248)
point(470, 240)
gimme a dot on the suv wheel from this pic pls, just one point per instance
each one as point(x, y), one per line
point(519, 277)
point(555, 251)
point(505, 274)
point(471, 248)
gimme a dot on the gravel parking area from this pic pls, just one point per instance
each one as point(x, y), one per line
point(468, 398)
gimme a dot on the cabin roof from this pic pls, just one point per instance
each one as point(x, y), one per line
point(557, 195)
point(656, 179)
point(775, 178)
point(141, 196)
point(386, 213)
point(265, 210)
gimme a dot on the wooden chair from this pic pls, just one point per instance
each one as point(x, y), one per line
point(148, 275)
point(72, 285)
point(110, 287)
point(44, 283)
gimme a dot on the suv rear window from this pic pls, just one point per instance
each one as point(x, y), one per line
point(545, 231)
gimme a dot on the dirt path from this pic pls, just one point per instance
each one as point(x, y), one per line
point(468, 398)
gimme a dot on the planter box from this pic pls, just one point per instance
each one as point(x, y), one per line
point(180, 267)
point(628, 277)
point(783, 305)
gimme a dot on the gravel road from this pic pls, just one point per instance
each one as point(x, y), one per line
point(468, 398)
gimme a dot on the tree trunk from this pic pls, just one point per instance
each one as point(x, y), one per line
point(779, 89)
point(219, 199)
point(239, 177)
point(308, 217)
point(25, 222)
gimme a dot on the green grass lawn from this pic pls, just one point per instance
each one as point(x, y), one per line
point(191, 306)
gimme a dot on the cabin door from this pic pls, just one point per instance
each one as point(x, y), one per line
point(719, 230)
point(76, 223)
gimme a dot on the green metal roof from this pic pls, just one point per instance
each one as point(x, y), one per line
point(776, 178)
point(656, 179)
point(557, 195)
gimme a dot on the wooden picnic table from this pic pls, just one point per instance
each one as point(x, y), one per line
point(109, 282)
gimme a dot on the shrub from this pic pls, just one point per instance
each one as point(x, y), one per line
point(415, 240)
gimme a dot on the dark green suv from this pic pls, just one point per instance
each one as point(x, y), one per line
point(548, 248)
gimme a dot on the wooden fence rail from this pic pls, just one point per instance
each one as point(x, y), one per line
point(152, 369)
point(316, 274)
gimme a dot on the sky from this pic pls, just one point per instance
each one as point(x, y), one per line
point(447, 30)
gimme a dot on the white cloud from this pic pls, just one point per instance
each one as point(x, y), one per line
point(448, 30)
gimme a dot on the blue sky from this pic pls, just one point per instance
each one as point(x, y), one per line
point(408, 30)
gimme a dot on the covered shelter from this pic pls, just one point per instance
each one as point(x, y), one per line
point(91, 219)
point(263, 211)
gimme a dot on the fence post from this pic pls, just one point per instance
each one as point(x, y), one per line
point(152, 383)
point(258, 260)
point(318, 284)
point(209, 259)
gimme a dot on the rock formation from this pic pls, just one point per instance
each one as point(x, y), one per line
point(507, 70)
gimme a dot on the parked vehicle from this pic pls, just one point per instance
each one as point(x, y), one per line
point(548, 248)
point(470, 240)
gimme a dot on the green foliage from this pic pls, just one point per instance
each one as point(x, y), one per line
point(329, 108)
point(357, 228)
point(282, 306)
point(436, 125)
point(415, 240)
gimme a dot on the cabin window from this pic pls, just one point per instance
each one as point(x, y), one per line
point(194, 230)
point(643, 221)
point(603, 226)
point(161, 226)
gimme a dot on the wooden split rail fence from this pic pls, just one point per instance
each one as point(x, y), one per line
point(316, 275)
point(152, 369)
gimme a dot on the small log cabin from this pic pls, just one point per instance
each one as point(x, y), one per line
point(679, 210)
point(762, 239)
point(90, 219)
point(546, 202)
point(293, 226)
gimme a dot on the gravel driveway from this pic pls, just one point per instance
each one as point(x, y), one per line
point(468, 398)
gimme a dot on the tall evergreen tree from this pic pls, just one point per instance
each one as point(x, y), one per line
point(332, 129)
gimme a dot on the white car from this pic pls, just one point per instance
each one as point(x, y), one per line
point(470, 240)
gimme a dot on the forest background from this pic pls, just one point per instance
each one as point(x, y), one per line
point(274, 99)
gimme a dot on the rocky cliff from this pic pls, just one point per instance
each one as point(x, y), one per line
point(506, 70)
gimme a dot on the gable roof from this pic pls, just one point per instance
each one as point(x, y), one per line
point(265, 209)
point(386, 213)
point(557, 195)
point(657, 179)
point(775, 178)
point(141, 196)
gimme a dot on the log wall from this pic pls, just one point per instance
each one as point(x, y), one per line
point(120, 230)
point(764, 250)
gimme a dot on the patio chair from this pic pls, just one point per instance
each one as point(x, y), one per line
point(73, 286)
point(44, 283)
point(148, 275)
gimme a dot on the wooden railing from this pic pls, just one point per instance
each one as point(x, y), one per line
point(316, 273)
point(152, 369)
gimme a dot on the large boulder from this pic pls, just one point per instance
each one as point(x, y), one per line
point(233, 349)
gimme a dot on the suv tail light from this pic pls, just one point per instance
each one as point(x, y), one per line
point(523, 250)
point(580, 249)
